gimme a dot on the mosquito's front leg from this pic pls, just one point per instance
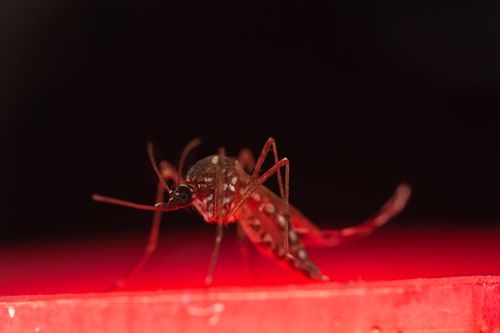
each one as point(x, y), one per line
point(165, 173)
point(150, 247)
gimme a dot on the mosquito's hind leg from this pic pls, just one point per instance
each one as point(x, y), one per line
point(393, 206)
point(329, 238)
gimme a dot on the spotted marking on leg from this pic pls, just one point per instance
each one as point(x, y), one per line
point(302, 254)
point(281, 221)
point(293, 237)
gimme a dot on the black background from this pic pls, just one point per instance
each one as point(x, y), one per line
point(359, 95)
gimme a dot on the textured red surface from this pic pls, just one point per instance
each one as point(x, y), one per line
point(460, 304)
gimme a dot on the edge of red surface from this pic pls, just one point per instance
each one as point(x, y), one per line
point(463, 303)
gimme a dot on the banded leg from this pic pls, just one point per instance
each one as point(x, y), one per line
point(257, 181)
point(246, 161)
point(312, 236)
point(167, 172)
point(220, 225)
point(150, 247)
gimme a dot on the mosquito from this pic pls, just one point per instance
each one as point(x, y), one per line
point(228, 190)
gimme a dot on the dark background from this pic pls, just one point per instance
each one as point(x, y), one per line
point(359, 95)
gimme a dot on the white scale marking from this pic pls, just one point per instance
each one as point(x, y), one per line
point(302, 255)
point(281, 221)
point(267, 239)
point(256, 196)
point(269, 208)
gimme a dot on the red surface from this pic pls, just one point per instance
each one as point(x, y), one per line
point(55, 286)
point(460, 304)
point(181, 261)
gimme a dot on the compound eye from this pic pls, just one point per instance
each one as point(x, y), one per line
point(183, 195)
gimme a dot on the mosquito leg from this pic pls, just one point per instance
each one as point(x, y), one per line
point(167, 172)
point(215, 254)
point(253, 185)
point(218, 208)
point(247, 162)
point(187, 149)
point(150, 247)
point(246, 157)
point(256, 181)
point(270, 144)
point(124, 203)
point(389, 210)
point(288, 232)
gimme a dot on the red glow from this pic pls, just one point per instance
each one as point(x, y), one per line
point(182, 260)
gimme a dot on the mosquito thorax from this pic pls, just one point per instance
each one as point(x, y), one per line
point(219, 186)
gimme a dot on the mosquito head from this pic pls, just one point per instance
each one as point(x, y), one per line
point(181, 196)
